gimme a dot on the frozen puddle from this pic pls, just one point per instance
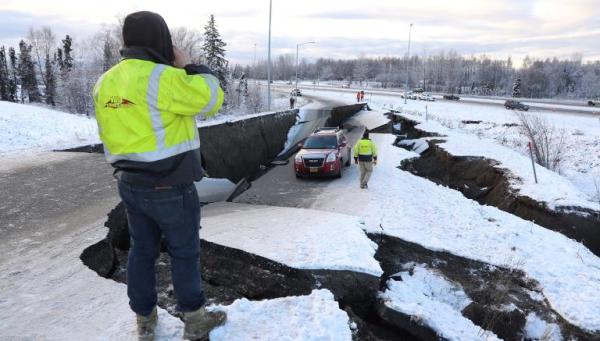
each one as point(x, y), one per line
point(313, 317)
point(432, 300)
point(300, 238)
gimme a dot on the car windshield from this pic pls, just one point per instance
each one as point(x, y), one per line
point(321, 142)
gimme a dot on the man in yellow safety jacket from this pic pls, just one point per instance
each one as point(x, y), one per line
point(145, 108)
point(365, 155)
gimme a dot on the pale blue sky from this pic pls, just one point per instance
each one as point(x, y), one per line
point(344, 28)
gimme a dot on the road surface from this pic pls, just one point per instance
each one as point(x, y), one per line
point(548, 105)
point(50, 194)
point(280, 187)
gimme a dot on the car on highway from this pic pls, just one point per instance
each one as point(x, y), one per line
point(409, 95)
point(594, 103)
point(324, 153)
point(296, 92)
point(515, 105)
point(425, 96)
point(451, 97)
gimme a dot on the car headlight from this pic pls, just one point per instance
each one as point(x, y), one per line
point(298, 158)
point(330, 157)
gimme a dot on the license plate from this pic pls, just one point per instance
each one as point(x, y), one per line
point(314, 169)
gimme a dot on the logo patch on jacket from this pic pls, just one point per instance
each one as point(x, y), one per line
point(116, 102)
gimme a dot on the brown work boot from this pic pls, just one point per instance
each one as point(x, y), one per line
point(146, 326)
point(200, 322)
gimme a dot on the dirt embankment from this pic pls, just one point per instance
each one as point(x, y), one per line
point(480, 179)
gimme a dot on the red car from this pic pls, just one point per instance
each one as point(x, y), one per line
point(324, 153)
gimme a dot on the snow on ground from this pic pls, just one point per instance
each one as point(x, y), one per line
point(35, 128)
point(48, 294)
point(538, 329)
point(299, 238)
point(313, 317)
point(581, 158)
point(368, 119)
point(414, 209)
point(430, 298)
point(552, 189)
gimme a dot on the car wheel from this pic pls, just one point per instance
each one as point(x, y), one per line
point(339, 173)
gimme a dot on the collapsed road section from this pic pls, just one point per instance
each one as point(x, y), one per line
point(393, 282)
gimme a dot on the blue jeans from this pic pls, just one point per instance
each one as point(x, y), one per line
point(174, 213)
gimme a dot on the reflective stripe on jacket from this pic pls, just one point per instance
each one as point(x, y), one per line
point(146, 111)
point(365, 150)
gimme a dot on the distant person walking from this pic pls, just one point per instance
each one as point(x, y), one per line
point(292, 101)
point(358, 96)
point(365, 155)
point(146, 109)
point(362, 95)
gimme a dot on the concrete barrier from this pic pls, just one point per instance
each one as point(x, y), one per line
point(236, 149)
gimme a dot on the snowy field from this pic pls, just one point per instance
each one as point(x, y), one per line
point(36, 128)
point(581, 159)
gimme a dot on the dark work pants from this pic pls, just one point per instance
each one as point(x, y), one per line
point(174, 213)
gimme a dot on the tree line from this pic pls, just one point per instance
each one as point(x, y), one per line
point(62, 73)
point(448, 72)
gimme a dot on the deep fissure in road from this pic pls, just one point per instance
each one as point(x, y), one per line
point(479, 179)
point(230, 274)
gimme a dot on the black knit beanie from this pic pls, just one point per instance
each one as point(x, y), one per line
point(150, 31)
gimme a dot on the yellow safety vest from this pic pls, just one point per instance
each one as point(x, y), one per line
point(146, 111)
point(365, 147)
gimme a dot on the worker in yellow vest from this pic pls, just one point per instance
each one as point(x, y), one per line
point(365, 155)
point(146, 108)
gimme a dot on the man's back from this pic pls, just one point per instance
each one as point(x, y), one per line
point(145, 111)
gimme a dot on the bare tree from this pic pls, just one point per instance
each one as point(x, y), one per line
point(43, 42)
point(189, 41)
point(547, 142)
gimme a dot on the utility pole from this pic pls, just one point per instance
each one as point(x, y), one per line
point(269, 60)
point(297, 47)
point(407, 61)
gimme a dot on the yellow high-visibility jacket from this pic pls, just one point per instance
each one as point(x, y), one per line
point(365, 150)
point(146, 111)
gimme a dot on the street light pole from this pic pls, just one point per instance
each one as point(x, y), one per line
point(297, 47)
point(269, 61)
point(407, 61)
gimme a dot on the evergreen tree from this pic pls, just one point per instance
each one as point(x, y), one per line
point(26, 72)
point(12, 75)
point(50, 82)
point(59, 58)
point(3, 75)
point(67, 63)
point(516, 90)
point(214, 51)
